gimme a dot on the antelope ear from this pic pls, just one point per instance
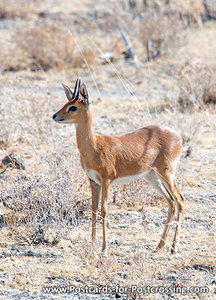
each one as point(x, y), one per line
point(84, 94)
point(68, 92)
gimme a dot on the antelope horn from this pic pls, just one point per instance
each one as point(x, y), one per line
point(76, 90)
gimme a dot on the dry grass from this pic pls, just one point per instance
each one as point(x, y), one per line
point(42, 40)
point(47, 204)
point(44, 46)
point(197, 86)
point(17, 9)
point(164, 31)
point(47, 211)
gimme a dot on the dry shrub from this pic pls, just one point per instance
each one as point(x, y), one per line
point(48, 205)
point(10, 59)
point(197, 86)
point(163, 31)
point(189, 11)
point(191, 7)
point(164, 22)
point(107, 20)
point(164, 27)
point(12, 8)
point(188, 6)
point(45, 46)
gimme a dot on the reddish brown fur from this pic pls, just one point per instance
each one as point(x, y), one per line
point(154, 148)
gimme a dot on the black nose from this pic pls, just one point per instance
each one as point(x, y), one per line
point(54, 116)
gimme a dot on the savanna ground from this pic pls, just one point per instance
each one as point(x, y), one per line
point(45, 198)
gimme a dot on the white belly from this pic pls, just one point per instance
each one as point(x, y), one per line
point(93, 175)
point(129, 179)
point(119, 180)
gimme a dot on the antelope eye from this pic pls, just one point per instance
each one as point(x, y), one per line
point(72, 108)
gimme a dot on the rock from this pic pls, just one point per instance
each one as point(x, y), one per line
point(31, 253)
point(13, 161)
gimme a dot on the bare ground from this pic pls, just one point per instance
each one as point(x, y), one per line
point(62, 253)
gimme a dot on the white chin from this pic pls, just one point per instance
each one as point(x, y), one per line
point(65, 121)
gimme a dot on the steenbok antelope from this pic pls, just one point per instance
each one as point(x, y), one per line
point(151, 151)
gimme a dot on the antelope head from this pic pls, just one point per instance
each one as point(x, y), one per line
point(78, 104)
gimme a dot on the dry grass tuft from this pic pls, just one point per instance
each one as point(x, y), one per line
point(164, 23)
point(11, 9)
point(51, 196)
point(48, 204)
point(162, 30)
point(197, 86)
point(45, 46)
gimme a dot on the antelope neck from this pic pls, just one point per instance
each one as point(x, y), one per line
point(86, 140)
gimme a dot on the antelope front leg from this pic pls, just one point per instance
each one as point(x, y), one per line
point(96, 192)
point(105, 196)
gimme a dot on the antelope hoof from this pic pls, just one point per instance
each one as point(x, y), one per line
point(104, 248)
point(173, 251)
point(160, 245)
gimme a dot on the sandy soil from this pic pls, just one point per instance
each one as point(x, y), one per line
point(136, 213)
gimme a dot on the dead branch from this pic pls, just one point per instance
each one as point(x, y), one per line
point(131, 53)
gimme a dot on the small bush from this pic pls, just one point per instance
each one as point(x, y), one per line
point(164, 22)
point(10, 9)
point(45, 46)
point(49, 204)
point(197, 86)
point(161, 30)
